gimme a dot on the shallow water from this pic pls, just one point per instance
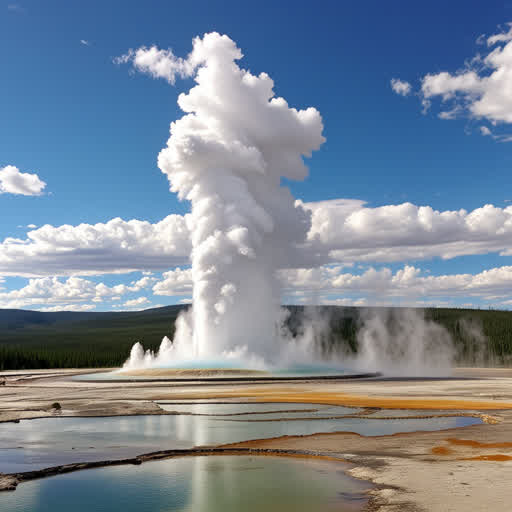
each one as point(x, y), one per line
point(45, 442)
point(196, 484)
point(387, 413)
point(292, 371)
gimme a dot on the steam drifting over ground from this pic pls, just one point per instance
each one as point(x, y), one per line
point(400, 341)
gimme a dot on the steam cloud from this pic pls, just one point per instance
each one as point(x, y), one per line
point(401, 341)
point(227, 156)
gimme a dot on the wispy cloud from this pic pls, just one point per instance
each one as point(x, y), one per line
point(16, 8)
point(401, 87)
point(486, 132)
point(158, 63)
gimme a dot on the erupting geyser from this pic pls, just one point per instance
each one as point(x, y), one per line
point(227, 156)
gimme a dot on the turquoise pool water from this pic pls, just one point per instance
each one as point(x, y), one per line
point(196, 484)
point(313, 370)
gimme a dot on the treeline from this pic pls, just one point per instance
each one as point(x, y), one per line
point(483, 336)
point(480, 337)
point(30, 340)
point(21, 358)
point(107, 352)
point(79, 340)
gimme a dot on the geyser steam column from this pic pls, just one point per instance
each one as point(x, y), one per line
point(227, 156)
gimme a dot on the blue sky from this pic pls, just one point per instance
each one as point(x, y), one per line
point(92, 129)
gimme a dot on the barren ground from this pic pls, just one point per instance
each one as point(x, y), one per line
point(451, 470)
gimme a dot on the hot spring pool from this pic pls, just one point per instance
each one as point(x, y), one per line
point(216, 370)
point(39, 443)
point(197, 484)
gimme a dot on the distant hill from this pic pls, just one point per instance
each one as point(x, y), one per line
point(32, 339)
point(19, 319)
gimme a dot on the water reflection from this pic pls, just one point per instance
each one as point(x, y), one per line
point(196, 484)
point(35, 444)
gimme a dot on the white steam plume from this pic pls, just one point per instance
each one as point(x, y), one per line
point(401, 341)
point(476, 349)
point(227, 156)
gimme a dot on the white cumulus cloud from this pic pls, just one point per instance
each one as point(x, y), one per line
point(140, 301)
point(12, 181)
point(157, 63)
point(401, 87)
point(74, 293)
point(349, 231)
point(88, 249)
point(67, 307)
point(342, 231)
point(175, 282)
point(409, 282)
point(480, 89)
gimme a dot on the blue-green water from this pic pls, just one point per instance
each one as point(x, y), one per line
point(196, 484)
point(387, 413)
point(312, 370)
point(40, 443)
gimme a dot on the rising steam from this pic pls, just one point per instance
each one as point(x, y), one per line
point(401, 341)
point(227, 156)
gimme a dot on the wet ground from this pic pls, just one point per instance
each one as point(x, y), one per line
point(41, 443)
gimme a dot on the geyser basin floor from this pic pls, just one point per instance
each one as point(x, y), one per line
point(251, 411)
point(197, 484)
point(206, 372)
point(40, 443)
point(402, 464)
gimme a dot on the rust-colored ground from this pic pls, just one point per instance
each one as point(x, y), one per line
point(442, 450)
point(349, 400)
point(477, 444)
point(492, 458)
point(464, 449)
